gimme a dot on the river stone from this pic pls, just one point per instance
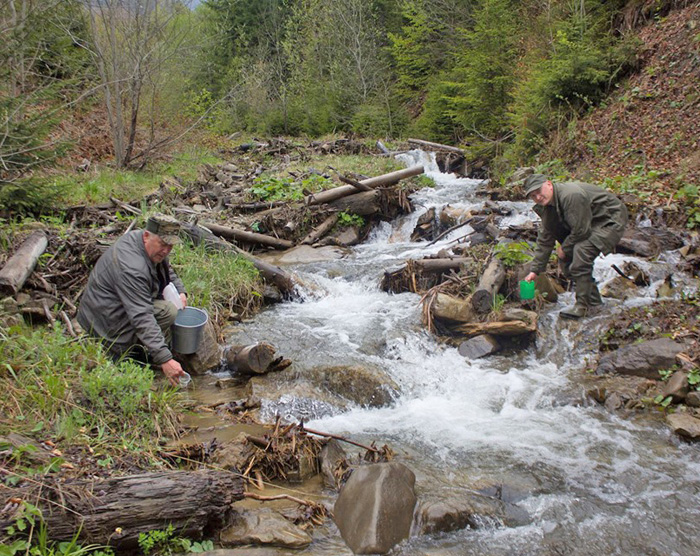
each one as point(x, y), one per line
point(677, 387)
point(684, 425)
point(258, 551)
point(207, 356)
point(479, 346)
point(362, 385)
point(331, 456)
point(618, 288)
point(374, 510)
point(468, 510)
point(645, 359)
point(693, 399)
point(264, 527)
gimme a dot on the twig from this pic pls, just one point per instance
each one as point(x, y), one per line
point(278, 497)
point(328, 435)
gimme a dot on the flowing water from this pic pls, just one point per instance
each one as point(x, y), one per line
point(585, 480)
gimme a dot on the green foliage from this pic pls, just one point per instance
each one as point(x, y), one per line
point(514, 253)
point(347, 220)
point(689, 194)
point(694, 378)
point(220, 282)
point(271, 188)
point(60, 386)
point(663, 401)
point(165, 543)
point(641, 183)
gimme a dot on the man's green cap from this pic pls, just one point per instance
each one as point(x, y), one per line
point(165, 227)
point(533, 183)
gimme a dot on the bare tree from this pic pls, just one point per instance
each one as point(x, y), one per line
point(130, 42)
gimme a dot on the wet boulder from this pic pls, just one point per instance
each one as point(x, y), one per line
point(364, 386)
point(479, 346)
point(374, 510)
point(333, 461)
point(685, 425)
point(645, 359)
point(265, 527)
point(459, 512)
point(207, 356)
point(677, 387)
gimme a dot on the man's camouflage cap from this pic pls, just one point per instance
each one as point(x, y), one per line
point(165, 227)
point(533, 183)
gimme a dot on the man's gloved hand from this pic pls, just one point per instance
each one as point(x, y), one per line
point(173, 371)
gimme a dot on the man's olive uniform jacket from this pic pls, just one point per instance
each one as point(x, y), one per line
point(117, 304)
point(578, 211)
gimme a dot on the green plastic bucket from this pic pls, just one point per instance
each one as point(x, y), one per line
point(527, 289)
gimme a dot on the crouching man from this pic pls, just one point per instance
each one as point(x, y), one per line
point(586, 221)
point(123, 302)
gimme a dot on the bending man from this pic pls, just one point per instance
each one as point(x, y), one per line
point(586, 221)
point(123, 303)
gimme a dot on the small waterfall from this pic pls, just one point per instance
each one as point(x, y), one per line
point(589, 481)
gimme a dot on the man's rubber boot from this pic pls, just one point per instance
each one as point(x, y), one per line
point(584, 287)
point(595, 299)
point(578, 311)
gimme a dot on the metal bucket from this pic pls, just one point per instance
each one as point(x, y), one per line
point(188, 329)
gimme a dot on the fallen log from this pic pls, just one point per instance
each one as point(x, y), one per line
point(379, 181)
point(321, 230)
point(435, 146)
point(451, 308)
point(255, 359)
point(115, 511)
point(441, 265)
point(20, 266)
point(490, 282)
point(271, 273)
point(501, 328)
point(248, 237)
point(366, 203)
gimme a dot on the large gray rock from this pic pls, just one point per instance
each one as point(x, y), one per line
point(374, 511)
point(264, 527)
point(333, 459)
point(207, 356)
point(468, 510)
point(479, 346)
point(645, 359)
point(365, 386)
point(684, 425)
point(677, 387)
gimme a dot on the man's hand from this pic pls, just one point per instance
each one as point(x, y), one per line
point(183, 297)
point(560, 253)
point(530, 277)
point(172, 370)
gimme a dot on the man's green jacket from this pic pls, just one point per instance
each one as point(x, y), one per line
point(117, 304)
point(578, 211)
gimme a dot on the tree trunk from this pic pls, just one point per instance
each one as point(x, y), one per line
point(452, 308)
point(379, 181)
point(16, 271)
point(435, 146)
point(503, 328)
point(441, 265)
point(363, 204)
point(490, 282)
point(256, 359)
point(115, 511)
point(249, 237)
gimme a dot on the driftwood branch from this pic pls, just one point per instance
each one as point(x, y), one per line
point(490, 282)
point(321, 230)
point(328, 435)
point(435, 146)
point(16, 271)
point(249, 237)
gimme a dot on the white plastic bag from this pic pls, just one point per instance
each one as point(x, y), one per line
point(171, 294)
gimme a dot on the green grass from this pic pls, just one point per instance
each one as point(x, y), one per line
point(345, 164)
point(68, 390)
point(128, 185)
point(219, 282)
